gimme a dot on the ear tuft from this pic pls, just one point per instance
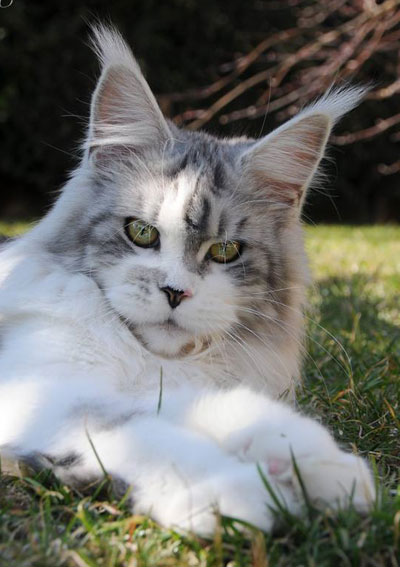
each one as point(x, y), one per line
point(124, 111)
point(336, 102)
point(110, 47)
point(283, 163)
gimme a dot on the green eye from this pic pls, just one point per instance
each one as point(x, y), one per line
point(224, 252)
point(142, 233)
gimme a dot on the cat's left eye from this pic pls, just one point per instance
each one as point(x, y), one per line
point(224, 252)
point(142, 233)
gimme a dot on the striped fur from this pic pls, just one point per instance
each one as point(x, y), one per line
point(179, 401)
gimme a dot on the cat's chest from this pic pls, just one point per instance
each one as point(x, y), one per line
point(155, 373)
point(107, 348)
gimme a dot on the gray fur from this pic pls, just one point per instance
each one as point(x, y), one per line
point(138, 165)
point(241, 320)
point(224, 200)
point(94, 239)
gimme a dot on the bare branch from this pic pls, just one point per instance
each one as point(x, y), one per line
point(292, 66)
point(367, 133)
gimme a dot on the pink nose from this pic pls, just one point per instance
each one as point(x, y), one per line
point(175, 296)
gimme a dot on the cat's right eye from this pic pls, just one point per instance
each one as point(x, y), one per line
point(142, 233)
point(224, 252)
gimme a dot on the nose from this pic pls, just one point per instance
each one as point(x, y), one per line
point(175, 296)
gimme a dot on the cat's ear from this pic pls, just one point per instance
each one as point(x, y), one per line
point(283, 164)
point(124, 112)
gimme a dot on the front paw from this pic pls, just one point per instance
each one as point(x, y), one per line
point(275, 441)
point(329, 475)
point(237, 492)
point(337, 481)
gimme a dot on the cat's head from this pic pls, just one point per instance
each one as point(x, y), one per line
point(192, 237)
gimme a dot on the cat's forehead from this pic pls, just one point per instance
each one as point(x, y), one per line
point(200, 179)
point(199, 151)
point(201, 183)
point(194, 186)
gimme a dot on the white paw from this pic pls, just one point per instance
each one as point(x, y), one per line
point(238, 493)
point(330, 476)
point(273, 442)
point(337, 481)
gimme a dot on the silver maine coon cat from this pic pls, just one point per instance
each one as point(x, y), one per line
point(155, 314)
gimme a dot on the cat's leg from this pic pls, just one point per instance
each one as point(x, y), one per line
point(178, 477)
point(255, 428)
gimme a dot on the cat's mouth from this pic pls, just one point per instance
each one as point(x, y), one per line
point(165, 338)
point(169, 325)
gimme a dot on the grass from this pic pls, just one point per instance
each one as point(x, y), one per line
point(351, 382)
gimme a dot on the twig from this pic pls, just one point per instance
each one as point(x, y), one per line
point(367, 133)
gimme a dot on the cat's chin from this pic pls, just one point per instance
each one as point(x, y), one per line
point(166, 339)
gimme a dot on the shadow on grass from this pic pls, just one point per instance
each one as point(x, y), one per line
point(361, 302)
point(352, 366)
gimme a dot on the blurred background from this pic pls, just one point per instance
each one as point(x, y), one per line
point(228, 67)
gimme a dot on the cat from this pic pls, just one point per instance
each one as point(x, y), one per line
point(152, 319)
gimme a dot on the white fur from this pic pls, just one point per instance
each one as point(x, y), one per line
point(61, 350)
point(71, 370)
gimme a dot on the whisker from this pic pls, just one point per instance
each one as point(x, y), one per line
point(348, 370)
point(287, 329)
point(269, 347)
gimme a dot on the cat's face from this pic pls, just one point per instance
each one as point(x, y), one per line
point(188, 252)
point(191, 237)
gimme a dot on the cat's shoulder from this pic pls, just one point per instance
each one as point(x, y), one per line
point(31, 278)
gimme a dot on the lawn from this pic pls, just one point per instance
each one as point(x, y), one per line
point(351, 382)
